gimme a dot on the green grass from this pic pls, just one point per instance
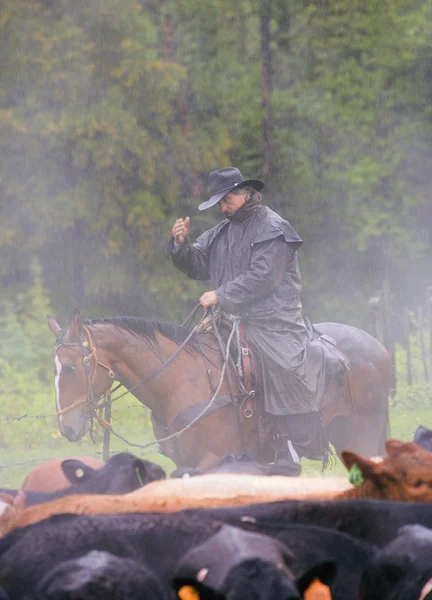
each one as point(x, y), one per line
point(12, 476)
point(403, 423)
point(16, 462)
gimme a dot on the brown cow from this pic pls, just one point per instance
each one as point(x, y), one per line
point(211, 490)
point(405, 474)
point(49, 475)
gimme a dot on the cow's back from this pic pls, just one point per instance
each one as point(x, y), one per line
point(49, 476)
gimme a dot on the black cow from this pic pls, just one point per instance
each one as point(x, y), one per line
point(402, 570)
point(423, 438)
point(373, 521)
point(315, 545)
point(239, 565)
point(167, 544)
point(79, 473)
point(101, 575)
point(341, 559)
point(122, 473)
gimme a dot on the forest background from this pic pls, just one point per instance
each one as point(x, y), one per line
point(112, 114)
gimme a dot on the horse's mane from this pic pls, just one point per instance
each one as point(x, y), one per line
point(146, 329)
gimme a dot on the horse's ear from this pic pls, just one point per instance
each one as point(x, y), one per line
point(54, 326)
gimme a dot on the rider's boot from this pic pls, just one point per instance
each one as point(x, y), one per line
point(307, 434)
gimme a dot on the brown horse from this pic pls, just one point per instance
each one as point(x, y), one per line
point(172, 377)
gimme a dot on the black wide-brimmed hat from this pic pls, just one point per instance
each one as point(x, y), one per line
point(222, 181)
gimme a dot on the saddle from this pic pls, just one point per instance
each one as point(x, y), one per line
point(241, 357)
point(246, 398)
point(323, 357)
point(245, 367)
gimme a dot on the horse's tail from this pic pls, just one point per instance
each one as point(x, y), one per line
point(385, 435)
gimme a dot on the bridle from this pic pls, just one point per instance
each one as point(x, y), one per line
point(89, 400)
point(96, 408)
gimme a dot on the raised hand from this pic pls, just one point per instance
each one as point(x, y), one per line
point(180, 230)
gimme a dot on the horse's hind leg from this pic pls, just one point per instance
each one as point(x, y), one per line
point(363, 434)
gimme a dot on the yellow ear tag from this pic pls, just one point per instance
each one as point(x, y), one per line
point(188, 592)
point(317, 591)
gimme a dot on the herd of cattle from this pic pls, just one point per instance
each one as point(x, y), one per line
point(82, 530)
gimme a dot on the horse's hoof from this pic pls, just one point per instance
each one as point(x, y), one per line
point(286, 471)
point(284, 464)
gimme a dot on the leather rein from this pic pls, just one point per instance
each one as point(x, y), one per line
point(89, 345)
point(89, 402)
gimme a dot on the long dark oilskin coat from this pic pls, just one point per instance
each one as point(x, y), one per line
point(253, 266)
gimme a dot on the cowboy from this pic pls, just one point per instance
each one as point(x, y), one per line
point(251, 260)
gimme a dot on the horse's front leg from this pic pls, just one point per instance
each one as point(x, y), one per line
point(214, 436)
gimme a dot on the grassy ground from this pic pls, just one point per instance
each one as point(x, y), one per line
point(403, 423)
point(16, 463)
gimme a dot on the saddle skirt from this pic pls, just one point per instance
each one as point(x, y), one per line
point(325, 365)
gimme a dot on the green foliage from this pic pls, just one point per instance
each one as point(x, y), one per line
point(111, 116)
point(25, 361)
point(418, 393)
point(28, 425)
point(414, 397)
point(415, 356)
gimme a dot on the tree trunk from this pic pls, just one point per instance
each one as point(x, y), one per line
point(266, 91)
point(190, 180)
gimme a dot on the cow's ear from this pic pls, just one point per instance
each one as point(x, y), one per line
point(359, 467)
point(394, 446)
point(147, 472)
point(350, 458)
point(54, 326)
point(76, 471)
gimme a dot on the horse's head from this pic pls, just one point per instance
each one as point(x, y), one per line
point(78, 381)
